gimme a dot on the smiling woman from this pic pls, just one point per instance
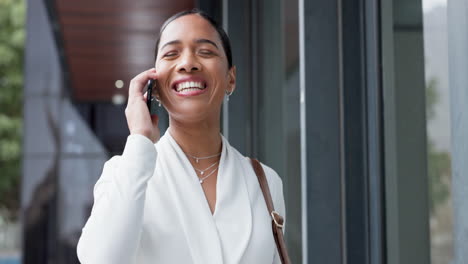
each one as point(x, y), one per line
point(187, 57)
point(187, 197)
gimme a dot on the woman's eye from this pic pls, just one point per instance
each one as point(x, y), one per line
point(170, 54)
point(206, 52)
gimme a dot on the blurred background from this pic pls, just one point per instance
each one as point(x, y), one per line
point(360, 106)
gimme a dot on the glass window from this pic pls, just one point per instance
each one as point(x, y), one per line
point(438, 130)
point(406, 181)
point(278, 107)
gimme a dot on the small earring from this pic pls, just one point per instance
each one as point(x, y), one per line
point(228, 93)
point(159, 102)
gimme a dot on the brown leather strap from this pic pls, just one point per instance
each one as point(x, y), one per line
point(276, 219)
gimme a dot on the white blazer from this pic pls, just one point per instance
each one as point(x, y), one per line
point(149, 207)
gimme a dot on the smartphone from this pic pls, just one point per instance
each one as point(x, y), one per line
point(150, 100)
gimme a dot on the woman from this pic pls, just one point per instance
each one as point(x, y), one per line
point(187, 197)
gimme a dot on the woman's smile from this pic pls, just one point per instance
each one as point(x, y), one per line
point(189, 86)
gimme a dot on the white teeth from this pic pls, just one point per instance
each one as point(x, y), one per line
point(189, 86)
point(189, 90)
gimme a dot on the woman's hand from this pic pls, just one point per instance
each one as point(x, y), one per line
point(138, 117)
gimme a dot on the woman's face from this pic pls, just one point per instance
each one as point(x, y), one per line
point(192, 69)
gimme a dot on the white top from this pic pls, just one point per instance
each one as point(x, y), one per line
point(149, 207)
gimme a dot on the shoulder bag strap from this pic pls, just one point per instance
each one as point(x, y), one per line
point(276, 218)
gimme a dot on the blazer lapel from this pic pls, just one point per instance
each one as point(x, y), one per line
point(193, 209)
point(233, 215)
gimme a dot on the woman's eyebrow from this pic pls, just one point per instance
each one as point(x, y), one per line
point(199, 41)
point(171, 43)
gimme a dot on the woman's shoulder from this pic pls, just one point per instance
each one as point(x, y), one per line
point(272, 175)
point(275, 183)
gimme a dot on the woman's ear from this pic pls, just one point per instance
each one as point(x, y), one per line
point(232, 78)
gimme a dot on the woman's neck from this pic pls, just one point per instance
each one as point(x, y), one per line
point(197, 139)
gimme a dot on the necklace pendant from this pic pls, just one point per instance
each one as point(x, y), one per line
point(202, 172)
point(197, 160)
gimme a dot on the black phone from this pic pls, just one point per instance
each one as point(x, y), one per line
point(150, 100)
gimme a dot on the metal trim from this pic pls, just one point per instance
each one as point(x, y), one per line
point(303, 132)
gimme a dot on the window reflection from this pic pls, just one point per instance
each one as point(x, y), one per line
point(279, 126)
point(438, 130)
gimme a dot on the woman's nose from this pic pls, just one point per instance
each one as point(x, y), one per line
point(188, 63)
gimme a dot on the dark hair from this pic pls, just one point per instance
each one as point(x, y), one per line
point(222, 34)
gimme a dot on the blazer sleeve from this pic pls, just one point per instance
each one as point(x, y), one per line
point(112, 232)
point(276, 189)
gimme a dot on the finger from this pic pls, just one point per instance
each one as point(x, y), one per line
point(138, 83)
